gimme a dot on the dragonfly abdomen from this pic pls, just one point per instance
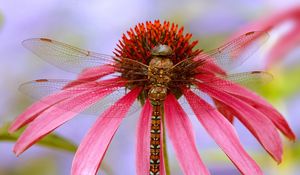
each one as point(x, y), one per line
point(155, 140)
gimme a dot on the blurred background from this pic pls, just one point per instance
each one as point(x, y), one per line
point(97, 26)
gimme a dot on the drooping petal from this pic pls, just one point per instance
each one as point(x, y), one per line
point(182, 137)
point(95, 73)
point(224, 111)
point(57, 115)
point(223, 133)
point(37, 108)
point(256, 101)
point(162, 158)
point(93, 147)
point(143, 140)
point(257, 123)
point(209, 65)
point(284, 44)
point(273, 115)
point(91, 74)
point(287, 41)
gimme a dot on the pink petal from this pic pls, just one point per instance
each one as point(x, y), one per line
point(257, 102)
point(181, 134)
point(56, 115)
point(38, 107)
point(209, 65)
point(34, 111)
point(91, 74)
point(93, 147)
point(284, 45)
point(223, 133)
point(288, 41)
point(260, 126)
point(162, 159)
point(96, 72)
point(224, 111)
point(269, 22)
point(273, 115)
point(143, 140)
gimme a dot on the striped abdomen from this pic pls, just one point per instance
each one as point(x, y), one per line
point(155, 140)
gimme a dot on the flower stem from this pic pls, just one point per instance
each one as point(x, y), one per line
point(164, 147)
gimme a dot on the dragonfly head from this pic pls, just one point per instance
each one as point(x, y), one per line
point(161, 50)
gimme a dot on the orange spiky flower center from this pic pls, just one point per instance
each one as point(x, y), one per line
point(135, 50)
point(139, 41)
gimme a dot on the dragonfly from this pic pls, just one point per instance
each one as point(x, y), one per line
point(159, 77)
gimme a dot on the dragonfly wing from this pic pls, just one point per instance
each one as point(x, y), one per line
point(248, 79)
point(231, 54)
point(41, 89)
point(38, 89)
point(71, 58)
point(237, 51)
point(254, 78)
point(109, 101)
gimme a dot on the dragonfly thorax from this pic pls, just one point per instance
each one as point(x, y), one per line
point(159, 73)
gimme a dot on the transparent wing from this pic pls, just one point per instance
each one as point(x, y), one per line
point(248, 79)
point(109, 100)
point(40, 89)
point(254, 78)
point(231, 54)
point(71, 58)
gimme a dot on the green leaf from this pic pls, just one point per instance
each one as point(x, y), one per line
point(51, 140)
point(295, 151)
point(284, 85)
point(41, 165)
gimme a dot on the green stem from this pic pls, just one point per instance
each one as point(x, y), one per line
point(164, 147)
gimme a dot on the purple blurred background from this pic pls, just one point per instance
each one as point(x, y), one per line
point(97, 26)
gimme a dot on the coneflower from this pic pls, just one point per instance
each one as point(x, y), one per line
point(157, 64)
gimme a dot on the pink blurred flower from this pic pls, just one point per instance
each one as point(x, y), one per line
point(287, 41)
point(194, 71)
